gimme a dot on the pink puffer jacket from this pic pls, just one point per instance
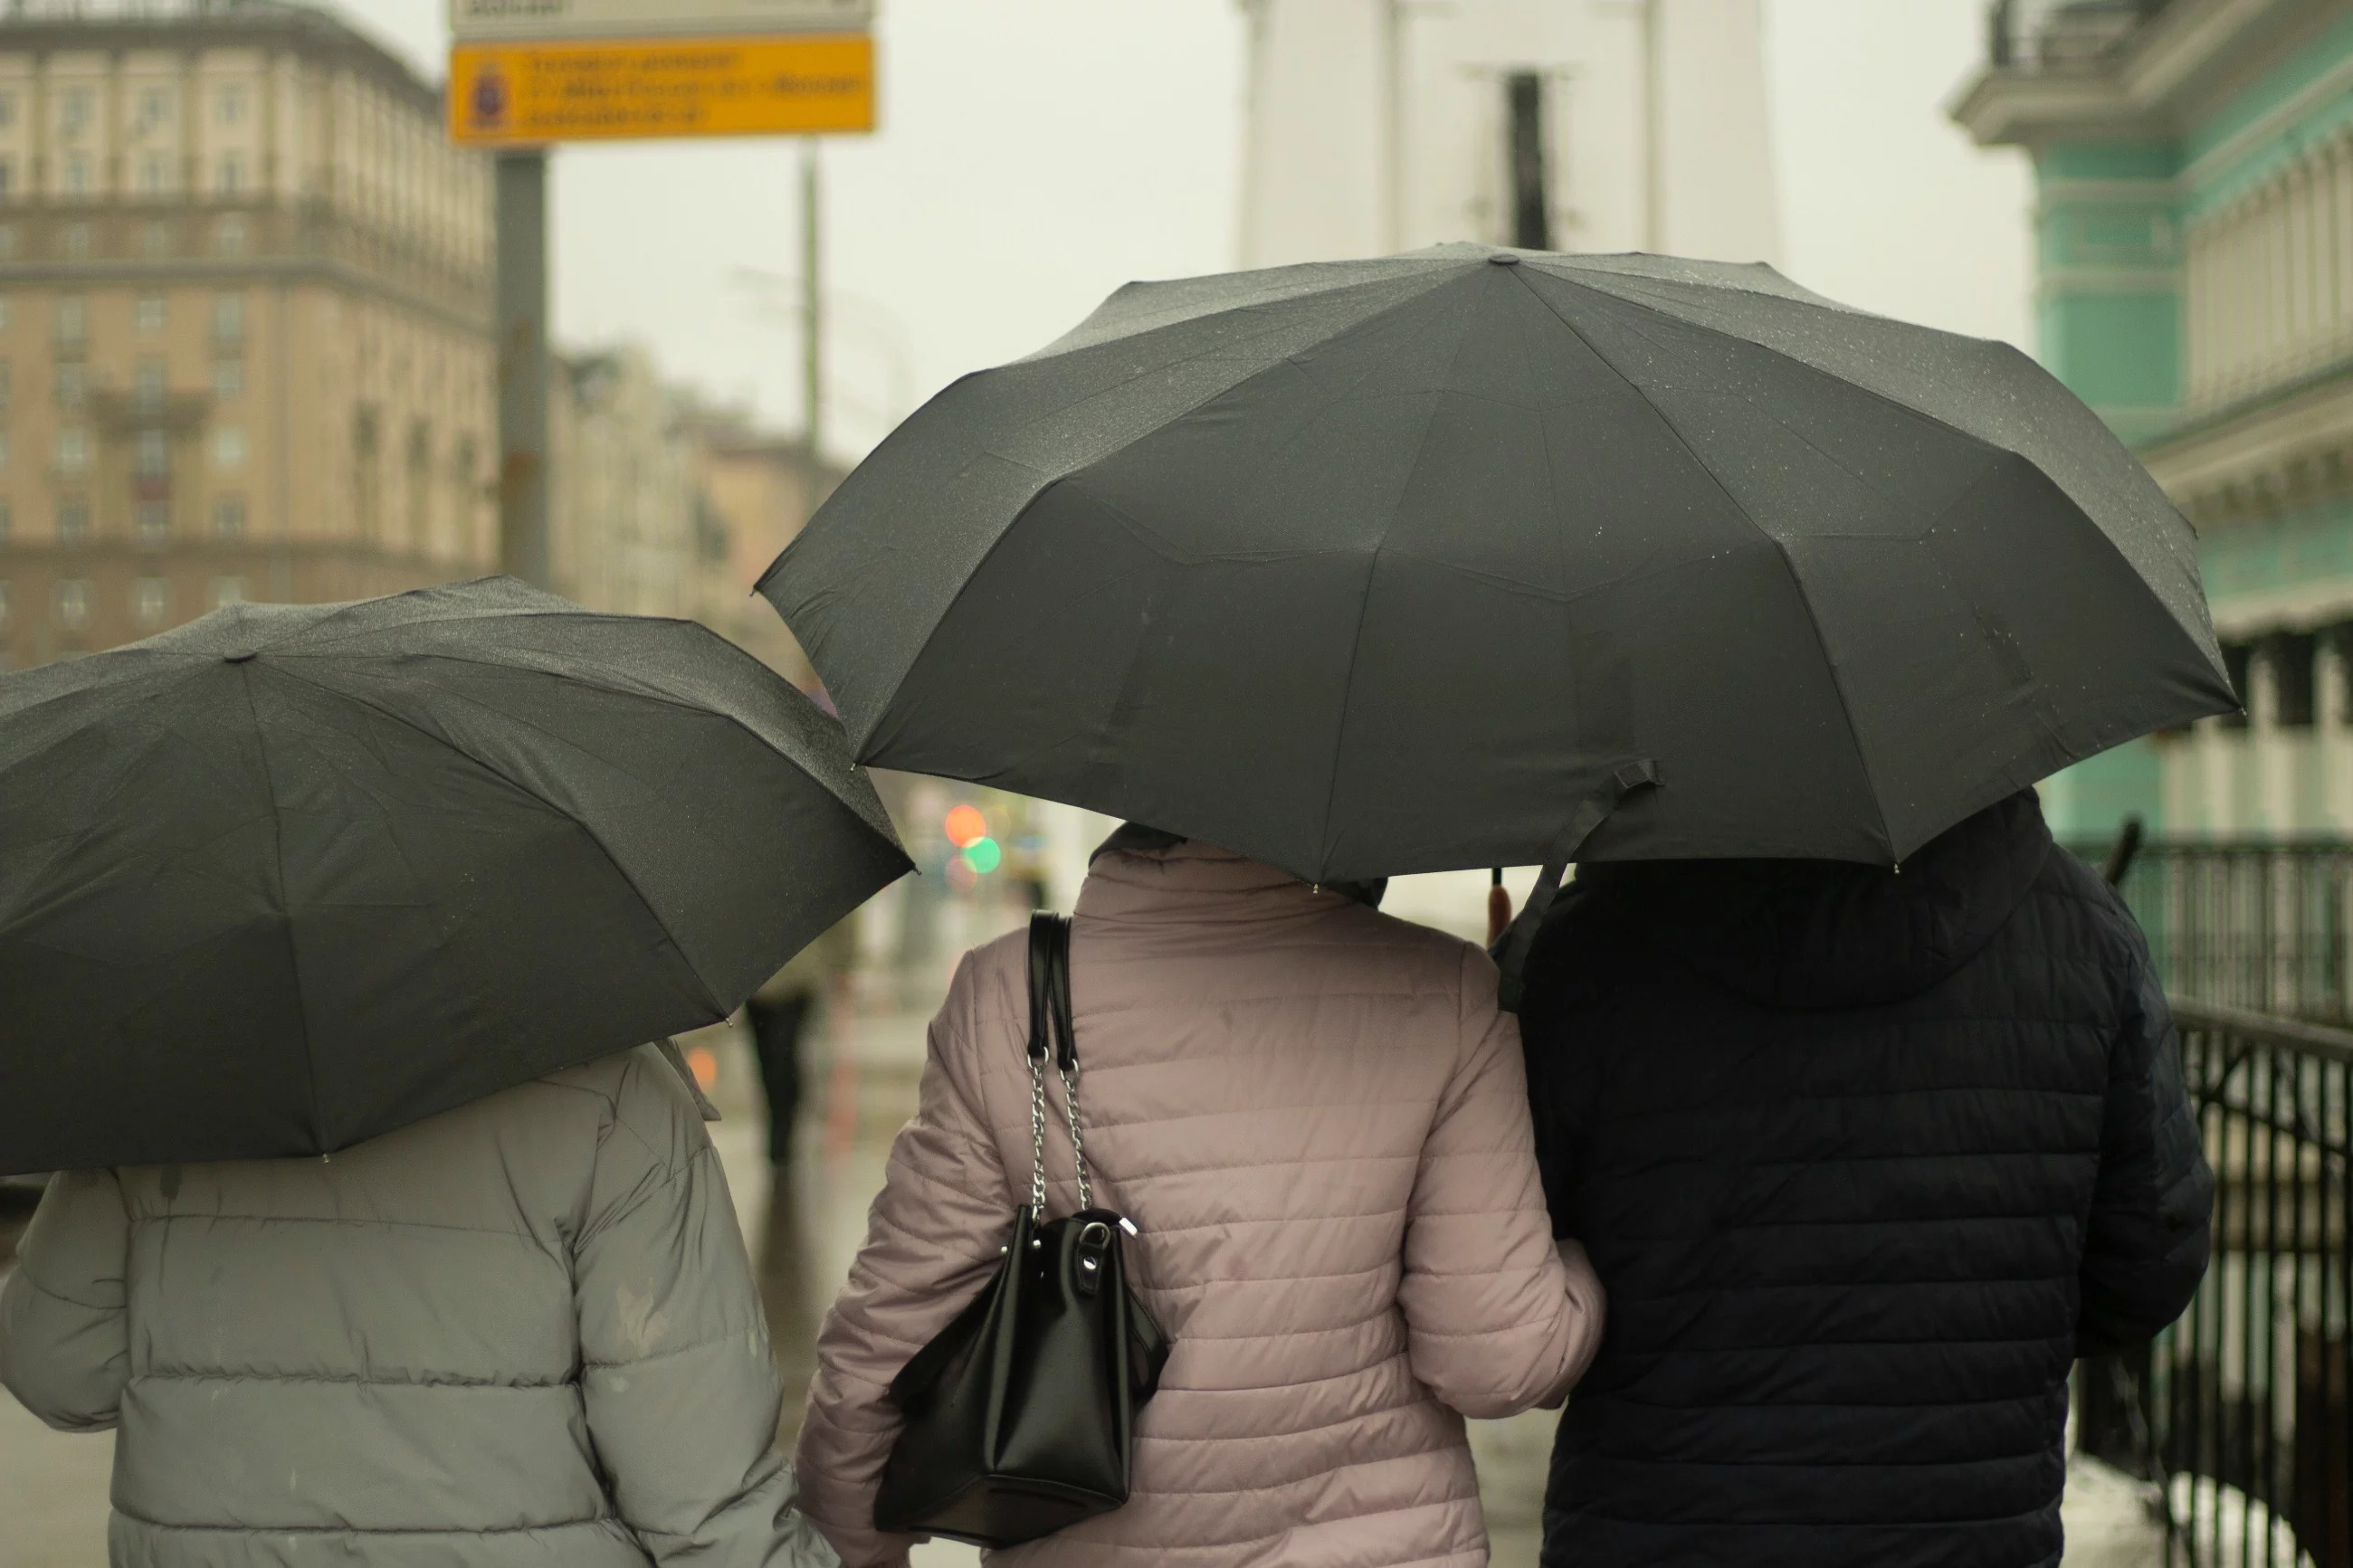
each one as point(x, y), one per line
point(1316, 1116)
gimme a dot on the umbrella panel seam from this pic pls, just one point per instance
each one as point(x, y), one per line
point(1797, 579)
point(585, 830)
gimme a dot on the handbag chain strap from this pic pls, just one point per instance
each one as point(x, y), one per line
point(1050, 1004)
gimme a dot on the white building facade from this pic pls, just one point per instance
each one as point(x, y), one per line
point(1377, 126)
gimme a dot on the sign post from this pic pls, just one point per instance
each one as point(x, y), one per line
point(525, 74)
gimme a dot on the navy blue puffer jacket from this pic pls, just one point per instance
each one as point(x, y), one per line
point(1865, 1158)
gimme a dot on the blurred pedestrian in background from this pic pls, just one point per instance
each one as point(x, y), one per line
point(1317, 1118)
point(781, 1012)
point(1865, 1157)
point(524, 1330)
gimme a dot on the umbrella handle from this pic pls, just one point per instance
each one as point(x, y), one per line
point(1512, 952)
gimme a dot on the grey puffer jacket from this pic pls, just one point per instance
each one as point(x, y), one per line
point(524, 1332)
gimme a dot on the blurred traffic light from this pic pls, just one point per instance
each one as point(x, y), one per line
point(967, 827)
point(984, 855)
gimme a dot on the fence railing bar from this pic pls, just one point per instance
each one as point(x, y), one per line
point(2264, 1029)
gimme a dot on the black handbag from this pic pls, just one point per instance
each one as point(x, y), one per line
point(1020, 1414)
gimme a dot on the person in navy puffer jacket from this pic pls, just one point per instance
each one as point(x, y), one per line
point(1865, 1159)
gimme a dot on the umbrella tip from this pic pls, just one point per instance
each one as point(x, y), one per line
point(245, 658)
point(1504, 260)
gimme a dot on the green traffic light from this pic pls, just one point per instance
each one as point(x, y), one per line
point(983, 855)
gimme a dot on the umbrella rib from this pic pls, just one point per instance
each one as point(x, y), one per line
point(286, 918)
point(683, 705)
point(1797, 580)
point(1080, 471)
point(589, 833)
point(1787, 357)
point(1364, 611)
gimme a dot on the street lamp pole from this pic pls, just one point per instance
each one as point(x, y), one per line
point(812, 304)
point(522, 290)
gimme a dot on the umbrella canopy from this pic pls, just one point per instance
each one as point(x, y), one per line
point(289, 877)
point(1417, 564)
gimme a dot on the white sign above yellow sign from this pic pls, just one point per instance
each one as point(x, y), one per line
point(485, 21)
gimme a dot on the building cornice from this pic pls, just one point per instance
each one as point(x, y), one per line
point(314, 35)
point(2264, 446)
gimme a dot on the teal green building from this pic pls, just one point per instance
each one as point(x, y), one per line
point(2193, 225)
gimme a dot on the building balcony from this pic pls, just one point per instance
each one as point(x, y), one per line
point(2064, 34)
point(2060, 70)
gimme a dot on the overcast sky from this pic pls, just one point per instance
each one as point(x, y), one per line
point(1036, 153)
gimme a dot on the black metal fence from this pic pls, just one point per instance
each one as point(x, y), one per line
point(2239, 1413)
point(2266, 927)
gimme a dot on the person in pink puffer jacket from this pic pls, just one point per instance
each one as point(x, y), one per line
point(1318, 1121)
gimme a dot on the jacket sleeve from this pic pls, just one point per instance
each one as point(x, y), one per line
point(2152, 1208)
point(1499, 1319)
point(65, 1345)
point(681, 1391)
point(932, 1240)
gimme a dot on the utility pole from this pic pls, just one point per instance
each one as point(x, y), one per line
point(812, 306)
point(1392, 48)
point(521, 303)
point(1654, 129)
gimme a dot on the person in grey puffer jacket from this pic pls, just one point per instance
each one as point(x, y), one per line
point(523, 1332)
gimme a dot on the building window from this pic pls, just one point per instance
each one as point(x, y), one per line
point(7, 520)
point(228, 446)
point(73, 449)
point(154, 174)
point(73, 318)
point(73, 382)
point(2237, 659)
point(151, 600)
point(150, 313)
point(2291, 656)
point(154, 521)
point(230, 107)
point(155, 453)
point(77, 242)
point(148, 384)
point(8, 110)
point(228, 590)
point(8, 239)
point(4, 450)
point(76, 111)
point(228, 317)
point(4, 605)
point(154, 107)
point(7, 384)
point(155, 241)
point(76, 173)
point(231, 179)
point(228, 377)
point(73, 522)
point(228, 236)
point(8, 178)
point(73, 603)
point(3, 312)
point(228, 517)
point(1530, 184)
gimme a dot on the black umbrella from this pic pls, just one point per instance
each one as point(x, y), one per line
point(289, 877)
point(1419, 563)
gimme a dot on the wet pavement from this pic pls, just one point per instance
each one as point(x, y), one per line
point(803, 1226)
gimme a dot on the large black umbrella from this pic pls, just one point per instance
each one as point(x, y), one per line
point(289, 877)
point(1417, 564)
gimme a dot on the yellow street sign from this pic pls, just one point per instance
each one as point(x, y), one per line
point(527, 94)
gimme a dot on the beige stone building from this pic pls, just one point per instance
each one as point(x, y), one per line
point(245, 345)
point(757, 488)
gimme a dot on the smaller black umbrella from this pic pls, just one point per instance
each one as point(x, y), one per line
point(289, 877)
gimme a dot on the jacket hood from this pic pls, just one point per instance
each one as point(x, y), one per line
point(1827, 934)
